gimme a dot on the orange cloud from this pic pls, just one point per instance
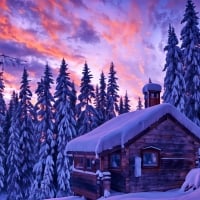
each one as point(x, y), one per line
point(3, 5)
point(10, 77)
point(54, 22)
point(124, 28)
point(119, 30)
point(52, 45)
point(49, 48)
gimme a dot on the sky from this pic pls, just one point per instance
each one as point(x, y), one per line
point(130, 33)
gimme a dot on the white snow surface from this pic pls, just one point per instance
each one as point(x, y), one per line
point(192, 180)
point(122, 128)
point(168, 195)
point(151, 86)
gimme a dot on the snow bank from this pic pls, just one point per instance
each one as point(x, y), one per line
point(68, 198)
point(118, 129)
point(192, 180)
point(169, 195)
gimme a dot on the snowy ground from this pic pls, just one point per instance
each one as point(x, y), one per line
point(169, 195)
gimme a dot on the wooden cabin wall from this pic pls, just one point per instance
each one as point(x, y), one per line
point(85, 184)
point(177, 156)
point(118, 180)
point(84, 180)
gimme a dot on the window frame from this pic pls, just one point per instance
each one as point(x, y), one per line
point(78, 164)
point(81, 163)
point(151, 150)
point(116, 153)
point(90, 168)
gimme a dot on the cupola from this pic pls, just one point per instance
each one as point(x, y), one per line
point(151, 93)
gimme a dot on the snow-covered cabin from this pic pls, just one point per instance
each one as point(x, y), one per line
point(145, 150)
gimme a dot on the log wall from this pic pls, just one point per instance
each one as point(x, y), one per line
point(85, 184)
point(177, 156)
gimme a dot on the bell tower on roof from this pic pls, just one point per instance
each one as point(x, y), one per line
point(151, 93)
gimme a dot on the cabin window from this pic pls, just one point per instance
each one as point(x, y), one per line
point(150, 158)
point(79, 162)
point(115, 160)
point(88, 163)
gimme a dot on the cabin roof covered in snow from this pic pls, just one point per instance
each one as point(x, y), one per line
point(119, 130)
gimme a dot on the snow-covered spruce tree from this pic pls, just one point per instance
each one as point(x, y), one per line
point(127, 106)
point(86, 113)
point(102, 98)
point(27, 138)
point(37, 109)
point(190, 36)
point(121, 106)
point(139, 106)
point(112, 94)
point(73, 99)
point(98, 107)
point(11, 106)
point(14, 155)
point(96, 100)
point(12, 103)
point(65, 127)
point(124, 106)
point(2, 134)
point(174, 84)
point(44, 170)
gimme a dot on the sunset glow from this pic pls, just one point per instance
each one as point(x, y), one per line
point(129, 33)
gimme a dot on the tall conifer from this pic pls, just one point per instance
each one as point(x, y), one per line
point(127, 106)
point(190, 36)
point(65, 127)
point(112, 94)
point(14, 155)
point(174, 84)
point(44, 170)
point(87, 114)
point(102, 98)
point(2, 134)
point(27, 139)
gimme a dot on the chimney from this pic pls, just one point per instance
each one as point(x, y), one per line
point(151, 93)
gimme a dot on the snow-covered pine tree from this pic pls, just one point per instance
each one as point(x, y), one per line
point(112, 94)
point(190, 36)
point(27, 138)
point(174, 84)
point(40, 94)
point(99, 106)
point(44, 170)
point(139, 106)
point(11, 106)
point(14, 155)
point(121, 106)
point(102, 98)
point(127, 106)
point(12, 103)
point(2, 134)
point(65, 127)
point(96, 100)
point(73, 99)
point(87, 114)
